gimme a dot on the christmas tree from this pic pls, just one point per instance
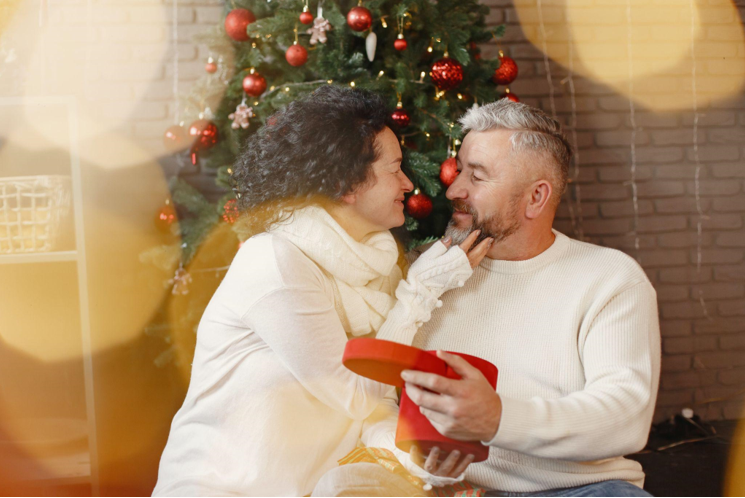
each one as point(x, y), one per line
point(421, 56)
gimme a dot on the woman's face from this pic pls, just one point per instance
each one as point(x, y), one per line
point(380, 202)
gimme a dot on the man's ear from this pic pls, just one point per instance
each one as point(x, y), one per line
point(540, 194)
point(350, 198)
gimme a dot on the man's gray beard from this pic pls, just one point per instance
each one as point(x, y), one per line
point(497, 227)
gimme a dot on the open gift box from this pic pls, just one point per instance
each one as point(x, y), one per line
point(384, 361)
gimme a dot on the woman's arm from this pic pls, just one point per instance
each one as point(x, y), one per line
point(302, 327)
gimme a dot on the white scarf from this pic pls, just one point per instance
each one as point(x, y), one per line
point(365, 274)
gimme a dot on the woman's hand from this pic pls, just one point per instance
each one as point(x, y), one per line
point(441, 267)
point(475, 254)
point(437, 471)
point(452, 466)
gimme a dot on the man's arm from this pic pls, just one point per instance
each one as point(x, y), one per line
point(610, 417)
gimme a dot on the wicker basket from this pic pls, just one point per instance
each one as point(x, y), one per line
point(32, 209)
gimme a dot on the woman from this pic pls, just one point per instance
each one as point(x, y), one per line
point(270, 407)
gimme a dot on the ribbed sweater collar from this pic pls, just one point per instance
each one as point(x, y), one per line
point(560, 245)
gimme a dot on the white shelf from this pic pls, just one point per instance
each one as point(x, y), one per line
point(38, 257)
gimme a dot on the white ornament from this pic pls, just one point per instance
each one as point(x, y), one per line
point(371, 43)
point(318, 31)
point(240, 116)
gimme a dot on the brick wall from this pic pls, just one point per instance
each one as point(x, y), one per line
point(703, 351)
point(120, 66)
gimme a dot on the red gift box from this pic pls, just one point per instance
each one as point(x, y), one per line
point(384, 361)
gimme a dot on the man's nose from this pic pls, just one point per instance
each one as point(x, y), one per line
point(457, 189)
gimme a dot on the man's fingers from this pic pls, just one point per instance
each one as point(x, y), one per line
point(431, 464)
point(425, 399)
point(466, 244)
point(460, 365)
point(447, 241)
point(462, 466)
point(433, 382)
point(477, 254)
point(447, 466)
point(437, 419)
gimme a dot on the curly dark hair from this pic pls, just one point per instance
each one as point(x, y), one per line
point(316, 149)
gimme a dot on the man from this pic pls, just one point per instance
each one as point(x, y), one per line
point(572, 328)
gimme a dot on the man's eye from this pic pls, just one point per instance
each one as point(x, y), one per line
point(476, 178)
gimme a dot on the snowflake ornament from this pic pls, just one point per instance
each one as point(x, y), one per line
point(318, 31)
point(241, 115)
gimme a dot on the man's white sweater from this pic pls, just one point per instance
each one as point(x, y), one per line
point(575, 335)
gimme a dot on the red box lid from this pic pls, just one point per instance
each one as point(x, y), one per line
point(384, 361)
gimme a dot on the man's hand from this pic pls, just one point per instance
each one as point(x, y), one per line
point(452, 466)
point(467, 409)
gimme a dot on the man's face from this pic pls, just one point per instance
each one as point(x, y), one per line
point(487, 193)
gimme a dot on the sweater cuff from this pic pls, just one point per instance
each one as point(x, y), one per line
point(514, 425)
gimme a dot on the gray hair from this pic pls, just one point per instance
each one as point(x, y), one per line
point(534, 132)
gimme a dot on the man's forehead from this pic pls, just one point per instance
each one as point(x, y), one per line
point(484, 147)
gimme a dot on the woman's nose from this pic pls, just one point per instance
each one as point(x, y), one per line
point(406, 183)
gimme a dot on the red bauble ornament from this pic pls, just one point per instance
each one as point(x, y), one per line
point(204, 134)
point(175, 138)
point(446, 73)
point(306, 17)
point(448, 171)
point(509, 95)
point(296, 55)
point(230, 211)
point(254, 84)
point(165, 217)
point(400, 44)
point(359, 19)
point(401, 118)
point(419, 206)
point(236, 23)
point(506, 72)
point(210, 67)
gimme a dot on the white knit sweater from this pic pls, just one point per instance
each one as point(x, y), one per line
point(574, 333)
point(270, 408)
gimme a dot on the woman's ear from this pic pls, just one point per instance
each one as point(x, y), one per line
point(350, 198)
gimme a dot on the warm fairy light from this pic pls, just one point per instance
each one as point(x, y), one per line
point(230, 171)
point(351, 84)
point(271, 88)
point(429, 49)
point(385, 24)
point(460, 96)
point(256, 102)
point(381, 73)
point(457, 142)
point(422, 75)
point(287, 89)
point(253, 44)
point(426, 134)
point(329, 81)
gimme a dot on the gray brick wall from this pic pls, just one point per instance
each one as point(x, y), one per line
point(703, 364)
point(128, 59)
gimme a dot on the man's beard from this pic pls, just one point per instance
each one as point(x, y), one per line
point(496, 226)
